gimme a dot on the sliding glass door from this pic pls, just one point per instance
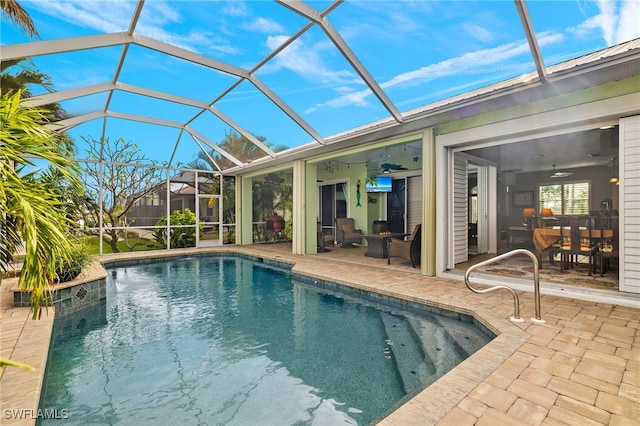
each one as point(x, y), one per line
point(396, 206)
point(333, 204)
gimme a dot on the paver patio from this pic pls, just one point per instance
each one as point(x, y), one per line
point(582, 366)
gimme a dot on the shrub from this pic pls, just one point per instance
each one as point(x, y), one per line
point(69, 269)
point(180, 237)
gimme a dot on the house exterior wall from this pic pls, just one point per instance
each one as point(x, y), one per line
point(630, 204)
point(554, 106)
point(577, 111)
point(581, 110)
point(143, 214)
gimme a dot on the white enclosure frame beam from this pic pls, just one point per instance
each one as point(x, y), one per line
point(71, 122)
point(527, 25)
point(48, 47)
point(315, 16)
point(55, 97)
point(286, 109)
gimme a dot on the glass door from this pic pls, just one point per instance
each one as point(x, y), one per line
point(396, 206)
point(333, 204)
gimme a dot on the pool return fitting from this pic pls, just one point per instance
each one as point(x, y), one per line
point(516, 301)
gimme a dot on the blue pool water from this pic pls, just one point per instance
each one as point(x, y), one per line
point(225, 340)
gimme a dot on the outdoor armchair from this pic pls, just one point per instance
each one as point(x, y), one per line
point(406, 249)
point(346, 234)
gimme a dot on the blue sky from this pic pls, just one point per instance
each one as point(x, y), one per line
point(419, 52)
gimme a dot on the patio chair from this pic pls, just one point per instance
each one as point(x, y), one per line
point(324, 240)
point(346, 234)
point(406, 249)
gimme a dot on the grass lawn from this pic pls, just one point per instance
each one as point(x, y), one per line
point(92, 242)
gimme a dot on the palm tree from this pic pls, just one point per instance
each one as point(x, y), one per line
point(19, 16)
point(27, 75)
point(235, 144)
point(240, 147)
point(31, 211)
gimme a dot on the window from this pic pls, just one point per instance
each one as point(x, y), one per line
point(565, 198)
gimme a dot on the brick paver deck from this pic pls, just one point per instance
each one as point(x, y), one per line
point(581, 367)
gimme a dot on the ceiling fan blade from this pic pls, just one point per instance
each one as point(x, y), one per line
point(391, 166)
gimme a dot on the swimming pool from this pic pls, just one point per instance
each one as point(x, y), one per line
point(228, 340)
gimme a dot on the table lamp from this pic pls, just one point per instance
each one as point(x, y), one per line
point(528, 213)
point(546, 212)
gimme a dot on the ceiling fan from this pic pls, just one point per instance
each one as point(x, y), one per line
point(387, 167)
point(559, 174)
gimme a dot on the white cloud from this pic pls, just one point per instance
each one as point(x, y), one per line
point(304, 60)
point(160, 13)
point(357, 98)
point(108, 17)
point(464, 64)
point(628, 25)
point(479, 33)
point(616, 24)
point(111, 16)
point(263, 25)
point(236, 8)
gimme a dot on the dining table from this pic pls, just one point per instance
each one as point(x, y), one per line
point(543, 238)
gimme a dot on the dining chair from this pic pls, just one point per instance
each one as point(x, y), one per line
point(609, 247)
point(574, 244)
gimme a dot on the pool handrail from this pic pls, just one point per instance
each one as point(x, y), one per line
point(516, 302)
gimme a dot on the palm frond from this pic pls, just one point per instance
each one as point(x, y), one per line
point(32, 212)
point(4, 362)
point(19, 16)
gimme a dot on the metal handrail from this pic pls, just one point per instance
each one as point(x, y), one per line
point(516, 301)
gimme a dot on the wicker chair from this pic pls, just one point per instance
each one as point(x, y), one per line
point(324, 240)
point(346, 234)
point(406, 249)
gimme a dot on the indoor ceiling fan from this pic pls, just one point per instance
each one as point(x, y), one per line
point(559, 174)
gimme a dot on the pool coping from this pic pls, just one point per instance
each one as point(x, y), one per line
point(429, 406)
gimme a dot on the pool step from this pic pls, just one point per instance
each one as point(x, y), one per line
point(468, 338)
point(437, 345)
point(447, 342)
point(405, 350)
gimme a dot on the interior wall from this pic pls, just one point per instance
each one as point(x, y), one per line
point(598, 176)
point(375, 209)
point(351, 174)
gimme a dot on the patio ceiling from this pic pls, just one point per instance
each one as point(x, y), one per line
point(174, 77)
